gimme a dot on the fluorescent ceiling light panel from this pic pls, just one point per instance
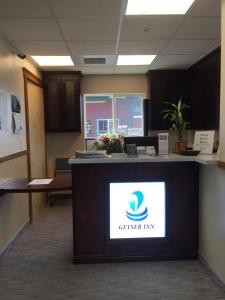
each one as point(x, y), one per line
point(53, 60)
point(133, 60)
point(158, 7)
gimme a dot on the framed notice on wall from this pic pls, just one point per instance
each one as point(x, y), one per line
point(203, 141)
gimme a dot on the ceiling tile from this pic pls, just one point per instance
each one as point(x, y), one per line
point(190, 46)
point(170, 67)
point(92, 47)
point(97, 70)
point(83, 8)
point(42, 47)
point(131, 69)
point(199, 28)
point(90, 28)
point(24, 9)
point(174, 60)
point(206, 8)
point(141, 47)
point(30, 29)
point(145, 28)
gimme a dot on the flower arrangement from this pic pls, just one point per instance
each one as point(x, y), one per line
point(110, 142)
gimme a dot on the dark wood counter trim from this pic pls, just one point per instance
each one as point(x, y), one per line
point(13, 156)
point(221, 164)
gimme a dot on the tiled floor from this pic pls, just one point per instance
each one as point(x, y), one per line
point(39, 266)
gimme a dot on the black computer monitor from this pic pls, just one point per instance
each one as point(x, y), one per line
point(142, 141)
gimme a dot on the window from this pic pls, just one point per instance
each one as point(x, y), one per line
point(120, 113)
point(104, 126)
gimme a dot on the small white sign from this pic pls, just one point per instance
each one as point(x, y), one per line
point(40, 181)
point(150, 150)
point(163, 139)
point(18, 127)
point(137, 210)
point(203, 141)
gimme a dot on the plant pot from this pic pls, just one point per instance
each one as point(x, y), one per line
point(180, 146)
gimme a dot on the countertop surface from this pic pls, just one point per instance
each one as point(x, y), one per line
point(123, 158)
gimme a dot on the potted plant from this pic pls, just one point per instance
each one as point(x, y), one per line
point(175, 114)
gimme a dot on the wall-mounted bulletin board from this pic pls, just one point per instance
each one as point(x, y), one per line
point(12, 125)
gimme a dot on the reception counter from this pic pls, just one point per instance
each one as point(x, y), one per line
point(143, 208)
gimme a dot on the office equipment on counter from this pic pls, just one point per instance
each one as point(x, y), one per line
point(131, 149)
point(90, 154)
point(163, 143)
point(141, 141)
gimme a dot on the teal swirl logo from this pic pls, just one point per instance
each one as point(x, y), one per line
point(135, 206)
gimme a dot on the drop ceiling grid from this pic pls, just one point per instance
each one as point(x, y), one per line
point(78, 26)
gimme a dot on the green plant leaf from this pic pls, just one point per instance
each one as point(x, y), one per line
point(175, 114)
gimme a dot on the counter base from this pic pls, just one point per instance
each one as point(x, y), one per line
point(91, 212)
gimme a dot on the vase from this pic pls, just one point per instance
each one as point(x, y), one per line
point(180, 146)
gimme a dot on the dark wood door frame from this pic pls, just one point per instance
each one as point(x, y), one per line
point(29, 77)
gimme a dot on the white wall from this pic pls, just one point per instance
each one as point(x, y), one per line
point(212, 218)
point(13, 207)
point(212, 193)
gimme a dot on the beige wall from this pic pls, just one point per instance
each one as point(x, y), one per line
point(13, 207)
point(212, 218)
point(212, 193)
point(62, 145)
point(65, 144)
point(114, 84)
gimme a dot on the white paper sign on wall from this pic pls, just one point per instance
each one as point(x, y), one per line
point(203, 141)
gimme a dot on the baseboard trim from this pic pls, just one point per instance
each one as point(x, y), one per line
point(205, 264)
point(17, 235)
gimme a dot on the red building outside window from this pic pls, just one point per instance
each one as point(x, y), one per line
point(122, 114)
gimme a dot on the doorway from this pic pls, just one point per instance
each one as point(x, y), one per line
point(36, 145)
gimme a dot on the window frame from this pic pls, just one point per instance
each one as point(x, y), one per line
point(108, 121)
point(113, 96)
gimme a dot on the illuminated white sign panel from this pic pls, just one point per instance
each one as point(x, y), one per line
point(137, 210)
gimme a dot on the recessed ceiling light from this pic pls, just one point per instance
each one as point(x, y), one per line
point(132, 60)
point(158, 7)
point(53, 60)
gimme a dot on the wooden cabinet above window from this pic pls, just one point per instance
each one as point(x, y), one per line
point(62, 101)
